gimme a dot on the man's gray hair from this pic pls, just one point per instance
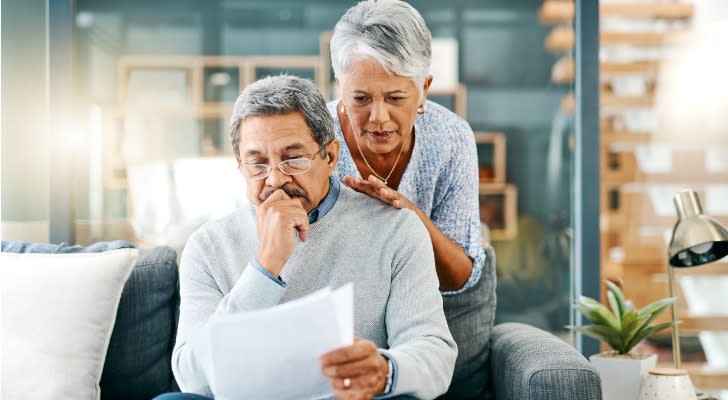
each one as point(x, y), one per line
point(279, 95)
point(390, 32)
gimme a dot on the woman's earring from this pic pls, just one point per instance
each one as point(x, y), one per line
point(343, 110)
point(421, 109)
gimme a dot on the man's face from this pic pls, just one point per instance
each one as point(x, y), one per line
point(274, 138)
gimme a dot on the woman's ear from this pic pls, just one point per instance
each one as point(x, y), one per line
point(426, 87)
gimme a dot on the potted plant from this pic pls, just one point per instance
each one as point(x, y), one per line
point(621, 326)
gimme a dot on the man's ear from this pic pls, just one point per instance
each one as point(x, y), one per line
point(332, 154)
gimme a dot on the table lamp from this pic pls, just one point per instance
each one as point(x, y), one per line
point(696, 240)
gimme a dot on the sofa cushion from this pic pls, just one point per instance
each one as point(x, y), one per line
point(138, 363)
point(58, 315)
point(470, 318)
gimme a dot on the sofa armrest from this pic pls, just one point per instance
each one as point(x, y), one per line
point(529, 363)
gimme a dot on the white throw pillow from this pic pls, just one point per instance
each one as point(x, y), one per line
point(58, 311)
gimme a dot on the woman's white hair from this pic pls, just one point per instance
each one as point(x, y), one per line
point(390, 32)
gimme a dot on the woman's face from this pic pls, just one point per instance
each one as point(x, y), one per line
point(381, 107)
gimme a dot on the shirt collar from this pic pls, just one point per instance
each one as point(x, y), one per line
point(327, 203)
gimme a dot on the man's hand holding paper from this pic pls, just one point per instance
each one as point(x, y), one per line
point(356, 371)
point(285, 342)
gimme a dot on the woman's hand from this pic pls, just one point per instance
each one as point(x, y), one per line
point(374, 187)
point(453, 265)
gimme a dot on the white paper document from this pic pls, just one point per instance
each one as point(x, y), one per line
point(273, 353)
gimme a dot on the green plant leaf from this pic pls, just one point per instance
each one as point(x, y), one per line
point(618, 298)
point(652, 310)
point(628, 305)
point(616, 310)
point(656, 308)
point(603, 333)
point(645, 333)
point(631, 325)
point(597, 313)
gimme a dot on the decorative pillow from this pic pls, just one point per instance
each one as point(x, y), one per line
point(58, 312)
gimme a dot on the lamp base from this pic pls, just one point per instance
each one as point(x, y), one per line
point(667, 384)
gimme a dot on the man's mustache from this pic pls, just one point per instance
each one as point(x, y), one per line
point(290, 191)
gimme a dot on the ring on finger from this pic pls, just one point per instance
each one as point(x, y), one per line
point(347, 383)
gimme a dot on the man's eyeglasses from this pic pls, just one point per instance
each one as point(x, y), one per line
point(292, 166)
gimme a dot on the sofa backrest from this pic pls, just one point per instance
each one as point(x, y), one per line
point(138, 360)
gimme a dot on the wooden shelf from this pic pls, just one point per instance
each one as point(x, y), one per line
point(705, 377)
point(609, 137)
point(562, 11)
point(506, 198)
point(644, 68)
point(206, 110)
point(195, 67)
point(498, 141)
point(645, 39)
point(687, 166)
point(636, 210)
point(685, 143)
point(562, 39)
point(703, 323)
point(612, 101)
point(668, 11)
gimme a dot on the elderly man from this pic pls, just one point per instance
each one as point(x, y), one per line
point(305, 231)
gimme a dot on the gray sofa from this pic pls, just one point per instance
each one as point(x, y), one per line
point(525, 362)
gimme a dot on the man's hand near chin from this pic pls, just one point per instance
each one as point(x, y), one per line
point(278, 218)
point(357, 371)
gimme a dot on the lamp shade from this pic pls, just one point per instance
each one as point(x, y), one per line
point(696, 238)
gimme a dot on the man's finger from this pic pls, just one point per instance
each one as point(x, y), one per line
point(278, 194)
point(357, 351)
point(366, 366)
point(303, 230)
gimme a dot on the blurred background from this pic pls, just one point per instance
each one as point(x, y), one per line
point(114, 122)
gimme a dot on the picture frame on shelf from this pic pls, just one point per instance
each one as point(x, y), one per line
point(498, 211)
point(491, 147)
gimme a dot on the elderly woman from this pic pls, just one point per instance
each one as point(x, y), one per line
point(413, 153)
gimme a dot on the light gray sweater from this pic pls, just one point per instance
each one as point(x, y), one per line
point(385, 252)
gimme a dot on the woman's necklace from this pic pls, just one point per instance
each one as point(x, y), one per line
point(385, 180)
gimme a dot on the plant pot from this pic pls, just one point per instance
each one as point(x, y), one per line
point(621, 375)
